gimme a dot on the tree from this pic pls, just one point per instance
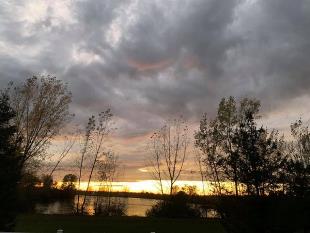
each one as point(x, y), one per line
point(68, 182)
point(190, 190)
point(29, 180)
point(169, 151)
point(229, 118)
point(227, 122)
point(47, 181)
point(236, 150)
point(107, 172)
point(208, 141)
point(10, 165)
point(69, 143)
point(156, 162)
point(42, 108)
point(260, 156)
point(199, 159)
point(87, 140)
point(96, 132)
point(298, 163)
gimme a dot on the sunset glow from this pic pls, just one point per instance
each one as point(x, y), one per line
point(151, 186)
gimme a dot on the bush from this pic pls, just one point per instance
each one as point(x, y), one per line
point(109, 207)
point(176, 206)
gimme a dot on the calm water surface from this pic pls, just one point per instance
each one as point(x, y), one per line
point(135, 206)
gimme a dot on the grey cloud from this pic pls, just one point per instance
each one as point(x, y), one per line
point(168, 58)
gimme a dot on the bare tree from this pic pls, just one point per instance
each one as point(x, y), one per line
point(42, 109)
point(87, 140)
point(170, 146)
point(155, 161)
point(99, 129)
point(69, 143)
point(199, 158)
point(107, 172)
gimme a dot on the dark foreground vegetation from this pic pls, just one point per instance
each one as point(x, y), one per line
point(242, 214)
point(77, 224)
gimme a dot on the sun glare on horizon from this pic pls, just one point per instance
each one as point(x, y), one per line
point(145, 186)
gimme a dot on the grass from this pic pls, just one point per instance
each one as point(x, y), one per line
point(92, 224)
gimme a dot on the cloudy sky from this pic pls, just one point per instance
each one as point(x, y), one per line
point(153, 60)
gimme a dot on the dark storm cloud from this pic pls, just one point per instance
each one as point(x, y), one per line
point(272, 61)
point(149, 60)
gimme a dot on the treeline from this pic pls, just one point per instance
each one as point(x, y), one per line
point(256, 160)
point(233, 152)
point(260, 179)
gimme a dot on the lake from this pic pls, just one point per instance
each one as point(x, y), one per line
point(135, 206)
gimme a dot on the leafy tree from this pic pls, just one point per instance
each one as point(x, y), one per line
point(208, 141)
point(237, 151)
point(260, 156)
point(68, 182)
point(190, 190)
point(10, 165)
point(298, 164)
point(215, 140)
point(227, 122)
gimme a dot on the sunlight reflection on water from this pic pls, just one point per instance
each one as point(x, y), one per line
point(135, 206)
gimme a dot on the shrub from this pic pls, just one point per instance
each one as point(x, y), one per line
point(176, 206)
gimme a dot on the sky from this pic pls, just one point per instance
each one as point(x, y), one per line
point(153, 60)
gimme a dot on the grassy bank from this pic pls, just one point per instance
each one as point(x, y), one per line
point(92, 224)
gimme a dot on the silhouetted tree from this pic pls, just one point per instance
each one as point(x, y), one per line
point(208, 141)
point(96, 133)
point(29, 180)
point(190, 190)
point(69, 143)
point(298, 164)
point(42, 108)
point(260, 156)
point(170, 151)
point(237, 151)
point(68, 182)
point(10, 165)
point(86, 143)
point(107, 171)
point(227, 121)
point(47, 181)
point(199, 159)
point(156, 161)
